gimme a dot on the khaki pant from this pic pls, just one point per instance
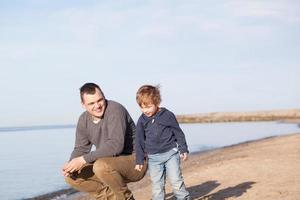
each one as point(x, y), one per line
point(107, 178)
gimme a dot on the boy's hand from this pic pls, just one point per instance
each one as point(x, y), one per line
point(184, 156)
point(138, 167)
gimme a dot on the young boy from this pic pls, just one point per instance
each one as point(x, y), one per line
point(160, 138)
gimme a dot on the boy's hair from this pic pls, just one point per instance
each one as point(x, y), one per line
point(148, 94)
point(89, 88)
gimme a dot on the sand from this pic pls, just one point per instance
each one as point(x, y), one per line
point(267, 169)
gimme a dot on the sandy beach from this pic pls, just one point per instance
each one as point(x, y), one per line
point(267, 169)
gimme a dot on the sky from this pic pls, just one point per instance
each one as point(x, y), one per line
point(207, 56)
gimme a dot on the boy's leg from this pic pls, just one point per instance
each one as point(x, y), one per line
point(116, 172)
point(157, 176)
point(174, 175)
point(86, 181)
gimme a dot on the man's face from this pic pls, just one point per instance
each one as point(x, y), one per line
point(94, 103)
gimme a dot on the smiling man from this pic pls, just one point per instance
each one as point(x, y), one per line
point(104, 172)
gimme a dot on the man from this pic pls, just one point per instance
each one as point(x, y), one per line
point(105, 171)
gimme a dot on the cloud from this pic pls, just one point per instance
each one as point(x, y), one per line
point(285, 10)
point(240, 19)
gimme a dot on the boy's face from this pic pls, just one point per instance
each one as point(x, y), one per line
point(150, 109)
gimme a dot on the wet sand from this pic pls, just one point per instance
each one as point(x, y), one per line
point(267, 169)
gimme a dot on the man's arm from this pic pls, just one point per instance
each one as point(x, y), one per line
point(82, 146)
point(82, 143)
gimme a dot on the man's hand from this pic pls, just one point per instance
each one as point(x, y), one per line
point(138, 167)
point(64, 172)
point(184, 156)
point(74, 165)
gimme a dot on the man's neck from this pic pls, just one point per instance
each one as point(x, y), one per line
point(96, 120)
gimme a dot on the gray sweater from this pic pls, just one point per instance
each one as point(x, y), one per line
point(112, 136)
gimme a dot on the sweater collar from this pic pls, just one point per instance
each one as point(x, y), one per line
point(158, 116)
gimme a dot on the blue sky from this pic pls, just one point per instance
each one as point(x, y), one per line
point(208, 56)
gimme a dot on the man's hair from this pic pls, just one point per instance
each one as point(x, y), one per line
point(89, 88)
point(148, 94)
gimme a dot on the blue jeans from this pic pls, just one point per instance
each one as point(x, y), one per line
point(166, 164)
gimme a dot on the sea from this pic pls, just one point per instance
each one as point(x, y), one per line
point(32, 157)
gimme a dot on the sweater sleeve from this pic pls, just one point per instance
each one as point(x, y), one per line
point(179, 135)
point(82, 143)
point(140, 143)
point(114, 144)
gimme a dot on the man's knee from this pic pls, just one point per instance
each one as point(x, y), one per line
point(70, 181)
point(101, 168)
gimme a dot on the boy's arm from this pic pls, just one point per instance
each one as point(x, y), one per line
point(140, 143)
point(184, 156)
point(138, 167)
point(179, 135)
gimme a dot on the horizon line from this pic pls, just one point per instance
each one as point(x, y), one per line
point(35, 127)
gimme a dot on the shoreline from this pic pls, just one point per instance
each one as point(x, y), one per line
point(59, 194)
point(266, 168)
point(235, 169)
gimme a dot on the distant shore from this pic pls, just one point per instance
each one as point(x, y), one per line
point(290, 115)
point(265, 169)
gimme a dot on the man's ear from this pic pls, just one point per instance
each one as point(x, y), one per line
point(82, 104)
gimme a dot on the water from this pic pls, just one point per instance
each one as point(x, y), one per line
point(31, 160)
point(213, 135)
